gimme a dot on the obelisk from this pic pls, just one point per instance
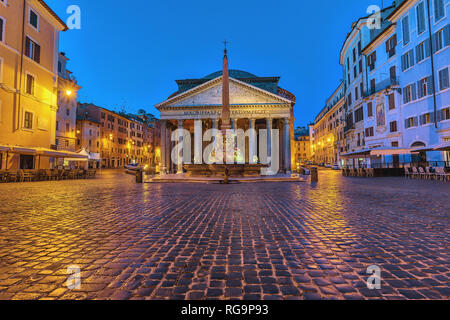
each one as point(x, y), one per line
point(226, 123)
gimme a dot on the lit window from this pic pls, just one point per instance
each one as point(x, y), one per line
point(28, 120)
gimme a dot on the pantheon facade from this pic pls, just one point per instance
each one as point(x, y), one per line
point(255, 103)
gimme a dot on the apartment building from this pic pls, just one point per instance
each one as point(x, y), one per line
point(28, 83)
point(66, 116)
point(327, 138)
point(122, 138)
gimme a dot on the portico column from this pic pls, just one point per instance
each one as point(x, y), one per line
point(198, 138)
point(287, 145)
point(215, 125)
point(234, 123)
point(163, 147)
point(269, 139)
point(252, 141)
point(180, 143)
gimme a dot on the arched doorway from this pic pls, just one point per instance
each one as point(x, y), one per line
point(421, 156)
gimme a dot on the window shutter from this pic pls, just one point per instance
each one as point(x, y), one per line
point(434, 42)
point(406, 123)
point(403, 62)
point(1, 29)
point(430, 85)
point(387, 46)
point(432, 117)
point(439, 115)
point(420, 86)
point(445, 78)
point(411, 57)
point(427, 48)
point(416, 121)
point(414, 91)
point(37, 53)
point(418, 54)
point(27, 46)
point(447, 35)
point(404, 96)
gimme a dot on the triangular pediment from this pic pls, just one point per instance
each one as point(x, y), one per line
point(210, 93)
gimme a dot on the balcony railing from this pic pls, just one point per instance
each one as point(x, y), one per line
point(382, 85)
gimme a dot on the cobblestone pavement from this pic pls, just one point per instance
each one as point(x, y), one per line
point(247, 241)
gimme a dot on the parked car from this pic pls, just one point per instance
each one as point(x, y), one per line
point(336, 167)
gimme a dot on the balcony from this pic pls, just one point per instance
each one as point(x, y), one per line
point(349, 126)
point(382, 85)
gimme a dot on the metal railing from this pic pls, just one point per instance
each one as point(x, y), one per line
point(382, 85)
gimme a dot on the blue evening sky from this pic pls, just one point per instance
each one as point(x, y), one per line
point(128, 53)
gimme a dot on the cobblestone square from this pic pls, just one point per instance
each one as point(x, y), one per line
point(209, 241)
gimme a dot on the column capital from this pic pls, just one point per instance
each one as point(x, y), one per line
point(287, 120)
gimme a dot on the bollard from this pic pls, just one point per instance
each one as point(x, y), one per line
point(139, 176)
point(314, 174)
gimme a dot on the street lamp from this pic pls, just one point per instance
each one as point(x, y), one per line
point(68, 92)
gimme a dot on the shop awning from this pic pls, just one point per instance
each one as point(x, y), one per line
point(23, 150)
point(4, 148)
point(445, 146)
point(389, 151)
point(357, 154)
point(51, 153)
point(81, 155)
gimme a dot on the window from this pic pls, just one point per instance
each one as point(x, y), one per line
point(393, 126)
point(409, 93)
point(438, 10)
point(33, 19)
point(57, 125)
point(371, 59)
point(360, 66)
point(67, 127)
point(390, 45)
point(391, 98)
point(408, 60)
point(354, 55)
point(423, 50)
point(411, 122)
point(420, 10)
point(28, 120)
point(356, 93)
point(438, 40)
point(369, 132)
point(444, 114)
point(394, 144)
point(359, 115)
point(359, 48)
point(427, 118)
point(405, 30)
point(425, 87)
point(32, 50)
point(369, 109)
point(349, 99)
point(443, 79)
point(26, 162)
point(372, 86)
point(30, 84)
point(2, 29)
point(67, 112)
